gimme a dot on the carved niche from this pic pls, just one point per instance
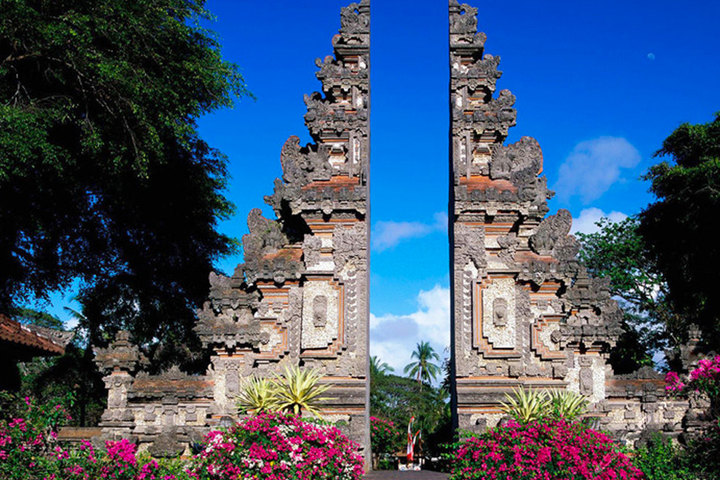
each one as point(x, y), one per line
point(321, 322)
point(498, 322)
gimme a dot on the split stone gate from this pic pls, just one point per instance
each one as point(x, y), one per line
point(524, 310)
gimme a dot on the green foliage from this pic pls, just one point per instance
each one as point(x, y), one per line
point(29, 316)
point(566, 404)
point(27, 435)
point(74, 372)
point(256, 395)
point(422, 368)
point(703, 453)
point(387, 463)
point(397, 398)
point(618, 252)
point(526, 406)
point(377, 367)
point(660, 459)
point(296, 391)
point(103, 176)
point(680, 227)
point(386, 437)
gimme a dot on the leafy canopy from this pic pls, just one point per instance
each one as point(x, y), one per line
point(680, 228)
point(617, 251)
point(103, 176)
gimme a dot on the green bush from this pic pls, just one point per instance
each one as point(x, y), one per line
point(660, 459)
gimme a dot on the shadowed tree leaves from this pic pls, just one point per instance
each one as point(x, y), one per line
point(103, 176)
point(618, 252)
point(680, 228)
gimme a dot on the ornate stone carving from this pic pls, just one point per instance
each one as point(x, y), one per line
point(302, 165)
point(499, 315)
point(500, 312)
point(586, 376)
point(320, 311)
point(350, 246)
point(321, 320)
point(551, 231)
point(470, 246)
point(121, 355)
point(520, 162)
point(463, 18)
point(311, 251)
point(355, 18)
point(234, 330)
point(508, 245)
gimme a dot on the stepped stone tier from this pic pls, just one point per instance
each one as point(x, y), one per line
point(301, 295)
point(525, 312)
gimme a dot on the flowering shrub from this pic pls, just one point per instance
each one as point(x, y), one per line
point(277, 446)
point(384, 436)
point(703, 451)
point(27, 440)
point(545, 450)
point(704, 379)
point(273, 446)
point(29, 451)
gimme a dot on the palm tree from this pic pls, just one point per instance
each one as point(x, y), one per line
point(377, 368)
point(423, 368)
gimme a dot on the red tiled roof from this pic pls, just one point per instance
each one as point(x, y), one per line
point(14, 332)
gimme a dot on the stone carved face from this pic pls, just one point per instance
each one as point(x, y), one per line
point(500, 312)
point(320, 311)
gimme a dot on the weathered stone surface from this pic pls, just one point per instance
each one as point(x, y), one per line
point(120, 356)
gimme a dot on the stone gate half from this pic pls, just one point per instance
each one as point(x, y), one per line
point(301, 295)
point(525, 312)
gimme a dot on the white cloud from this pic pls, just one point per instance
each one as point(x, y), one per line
point(387, 234)
point(585, 223)
point(594, 166)
point(394, 337)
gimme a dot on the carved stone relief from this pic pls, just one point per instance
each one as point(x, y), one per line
point(499, 323)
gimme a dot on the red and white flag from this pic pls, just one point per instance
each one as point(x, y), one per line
point(410, 440)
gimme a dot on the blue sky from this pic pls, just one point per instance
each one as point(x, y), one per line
point(598, 84)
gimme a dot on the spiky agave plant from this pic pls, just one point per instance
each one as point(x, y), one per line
point(566, 404)
point(257, 395)
point(526, 406)
point(298, 390)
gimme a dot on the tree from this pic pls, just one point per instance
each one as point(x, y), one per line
point(103, 176)
point(73, 373)
point(423, 369)
point(397, 398)
point(377, 367)
point(680, 228)
point(618, 252)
